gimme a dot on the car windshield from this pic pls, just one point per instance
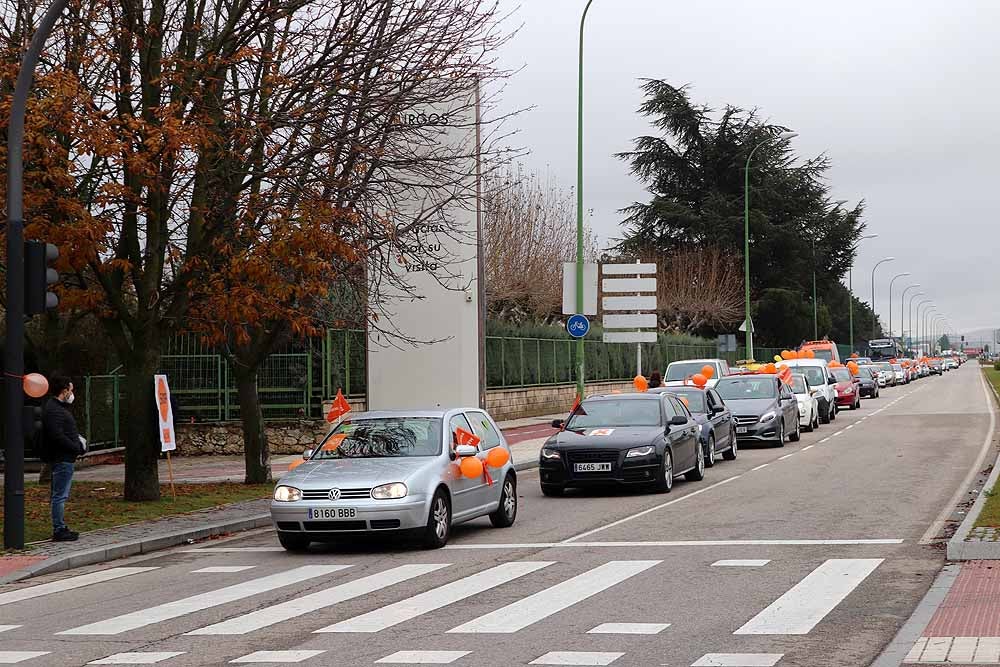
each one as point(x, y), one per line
point(841, 374)
point(679, 371)
point(814, 375)
point(616, 413)
point(822, 353)
point(886, 367)
point(383, 438)
point(695, 399)
point(799, 385)
point(748, 387)
point(897, 368)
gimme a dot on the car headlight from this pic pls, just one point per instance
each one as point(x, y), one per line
point(767, 416)
point(389, 491)
point(287, 494)
point(640, 451)
point(550, 455)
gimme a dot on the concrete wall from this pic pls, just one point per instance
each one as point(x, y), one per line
point(291, 437)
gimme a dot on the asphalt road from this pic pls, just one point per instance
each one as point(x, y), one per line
point(826, 533)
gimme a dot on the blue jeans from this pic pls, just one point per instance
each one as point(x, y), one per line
point(62, 479)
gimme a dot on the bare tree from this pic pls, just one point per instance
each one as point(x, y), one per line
point(529, 230)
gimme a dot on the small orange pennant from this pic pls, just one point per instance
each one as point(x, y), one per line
point(463, 437)
point(339, 408)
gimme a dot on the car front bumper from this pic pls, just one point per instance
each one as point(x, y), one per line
point(637, 471)
point(371, 516)
point(766, 432)
point(846, 400)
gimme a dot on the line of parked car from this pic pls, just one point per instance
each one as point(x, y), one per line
point(421, 472)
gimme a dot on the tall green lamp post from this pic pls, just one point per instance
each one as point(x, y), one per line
point(580, 377)
point(902, 308)
point(874, 313)
point(781, 136)
point(909, 321)
point(894, 279)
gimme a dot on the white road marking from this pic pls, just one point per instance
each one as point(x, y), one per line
point(987, 651)
point(137, 658)
point(277, 656)
point(519, 615)
point(762, 465)
point(651, 509)
point(806, 603)
point(808, 447)
point(849, 427)
point(300, 606)
point(189, 605)
point(404, 610)
point(576, 658)
point(738, 660)
point(916, 650)
point(677, 543)
point(14, 657)
point(628, 629)
point(71, 583)
point(222, 569)
point(963, 649)
point(936, 649)
point(5, 628)
point(782, 458)
point(422, 657)
point(741, 563)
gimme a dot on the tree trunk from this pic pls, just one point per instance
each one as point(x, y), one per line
point(142, 446)
point(256, 452)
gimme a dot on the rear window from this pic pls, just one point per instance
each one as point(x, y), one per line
point(679, 371)
point(822, 353)
point(695, 400)
point(814, 375)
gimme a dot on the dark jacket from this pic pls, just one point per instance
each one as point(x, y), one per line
point(62, 440)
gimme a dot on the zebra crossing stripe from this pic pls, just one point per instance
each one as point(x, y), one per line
point(519, 615)
point(806, 603)
point(14, 657)
point(307, 604)
point(137, 658)
point(169, 610)
point(71, 583)
point(404, 610)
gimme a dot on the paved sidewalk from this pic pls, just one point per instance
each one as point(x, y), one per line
point(525, 437)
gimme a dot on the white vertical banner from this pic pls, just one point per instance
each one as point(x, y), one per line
point(427, 348)
point(165, 414)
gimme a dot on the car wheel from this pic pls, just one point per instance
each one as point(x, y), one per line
point(731, 453)
point(552, 490)
point(698, 473)
point(295, 543)
point(438, 527)
point(507, 510)
point(809, 426)
point(833, 413)
point(710, 452)
point(781, 433)
point(815, 420)
point(796, 435)
point(665, 475)
point(825, 417)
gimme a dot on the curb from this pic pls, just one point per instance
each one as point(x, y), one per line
point(958, 548)
point(155, 543)
point(136, 547)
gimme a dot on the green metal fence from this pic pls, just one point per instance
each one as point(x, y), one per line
point(294, 381)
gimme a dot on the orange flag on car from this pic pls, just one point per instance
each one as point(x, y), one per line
point(339, 408)
point(463, 437)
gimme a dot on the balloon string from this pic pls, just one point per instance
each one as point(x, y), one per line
point(12, 375)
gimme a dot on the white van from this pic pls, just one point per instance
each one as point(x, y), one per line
point(818, 377)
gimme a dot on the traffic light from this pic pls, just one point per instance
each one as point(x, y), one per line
point(38, 275)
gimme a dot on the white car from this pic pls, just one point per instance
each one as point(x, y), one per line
point(678, 371)
point(808, 405)
point(818, 377)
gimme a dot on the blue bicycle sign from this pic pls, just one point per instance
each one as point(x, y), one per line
point(578, 326)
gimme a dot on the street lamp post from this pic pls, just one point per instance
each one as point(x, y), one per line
point(874, 314)
point(927, 323)
point(746, 234)
point(850, 288)
point(894, 278)
point(580, 378)
point(909, 321)
point(919, 322)
point(902, 307)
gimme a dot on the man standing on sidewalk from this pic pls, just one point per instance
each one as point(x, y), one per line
point(62, 444)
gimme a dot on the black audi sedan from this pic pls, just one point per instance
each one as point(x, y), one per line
point(765, 407)
point(716, 428)
point(622, 439)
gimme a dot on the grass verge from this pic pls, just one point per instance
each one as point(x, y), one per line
point(990, 516)
point(94, 505)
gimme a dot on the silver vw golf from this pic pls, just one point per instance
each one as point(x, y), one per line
point(394, 471)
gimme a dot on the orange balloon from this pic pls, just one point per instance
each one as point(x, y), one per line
point(699, 380)
point(810, 354)
point(295, 464)
point(35, 385)
point(640, 383)
point(770, 368)
point(497, 457)
point(472, 467)
point(786, 354)
point(854, 355)
point(793, 354)
point(708, 371)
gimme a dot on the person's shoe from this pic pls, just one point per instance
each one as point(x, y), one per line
point(65, 535)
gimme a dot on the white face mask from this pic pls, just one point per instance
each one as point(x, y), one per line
point(70, 399)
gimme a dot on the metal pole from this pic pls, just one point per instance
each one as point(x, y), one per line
point(580, 378)
point(909, 321)
point(13, 486)
point(894, 278)
point(850, 303)
point(902, 307)
point(746, 249)
point(874, 313)
point(815, 317)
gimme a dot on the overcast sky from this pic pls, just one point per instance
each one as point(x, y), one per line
point(901, 94)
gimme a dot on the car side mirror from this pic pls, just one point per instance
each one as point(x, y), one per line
point(308, 453)
point(678, 420)
point(832, 380)
point(466, 450)
point(717, 409)
point(557, 423)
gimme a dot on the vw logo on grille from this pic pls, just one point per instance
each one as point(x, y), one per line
point(334, 494)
